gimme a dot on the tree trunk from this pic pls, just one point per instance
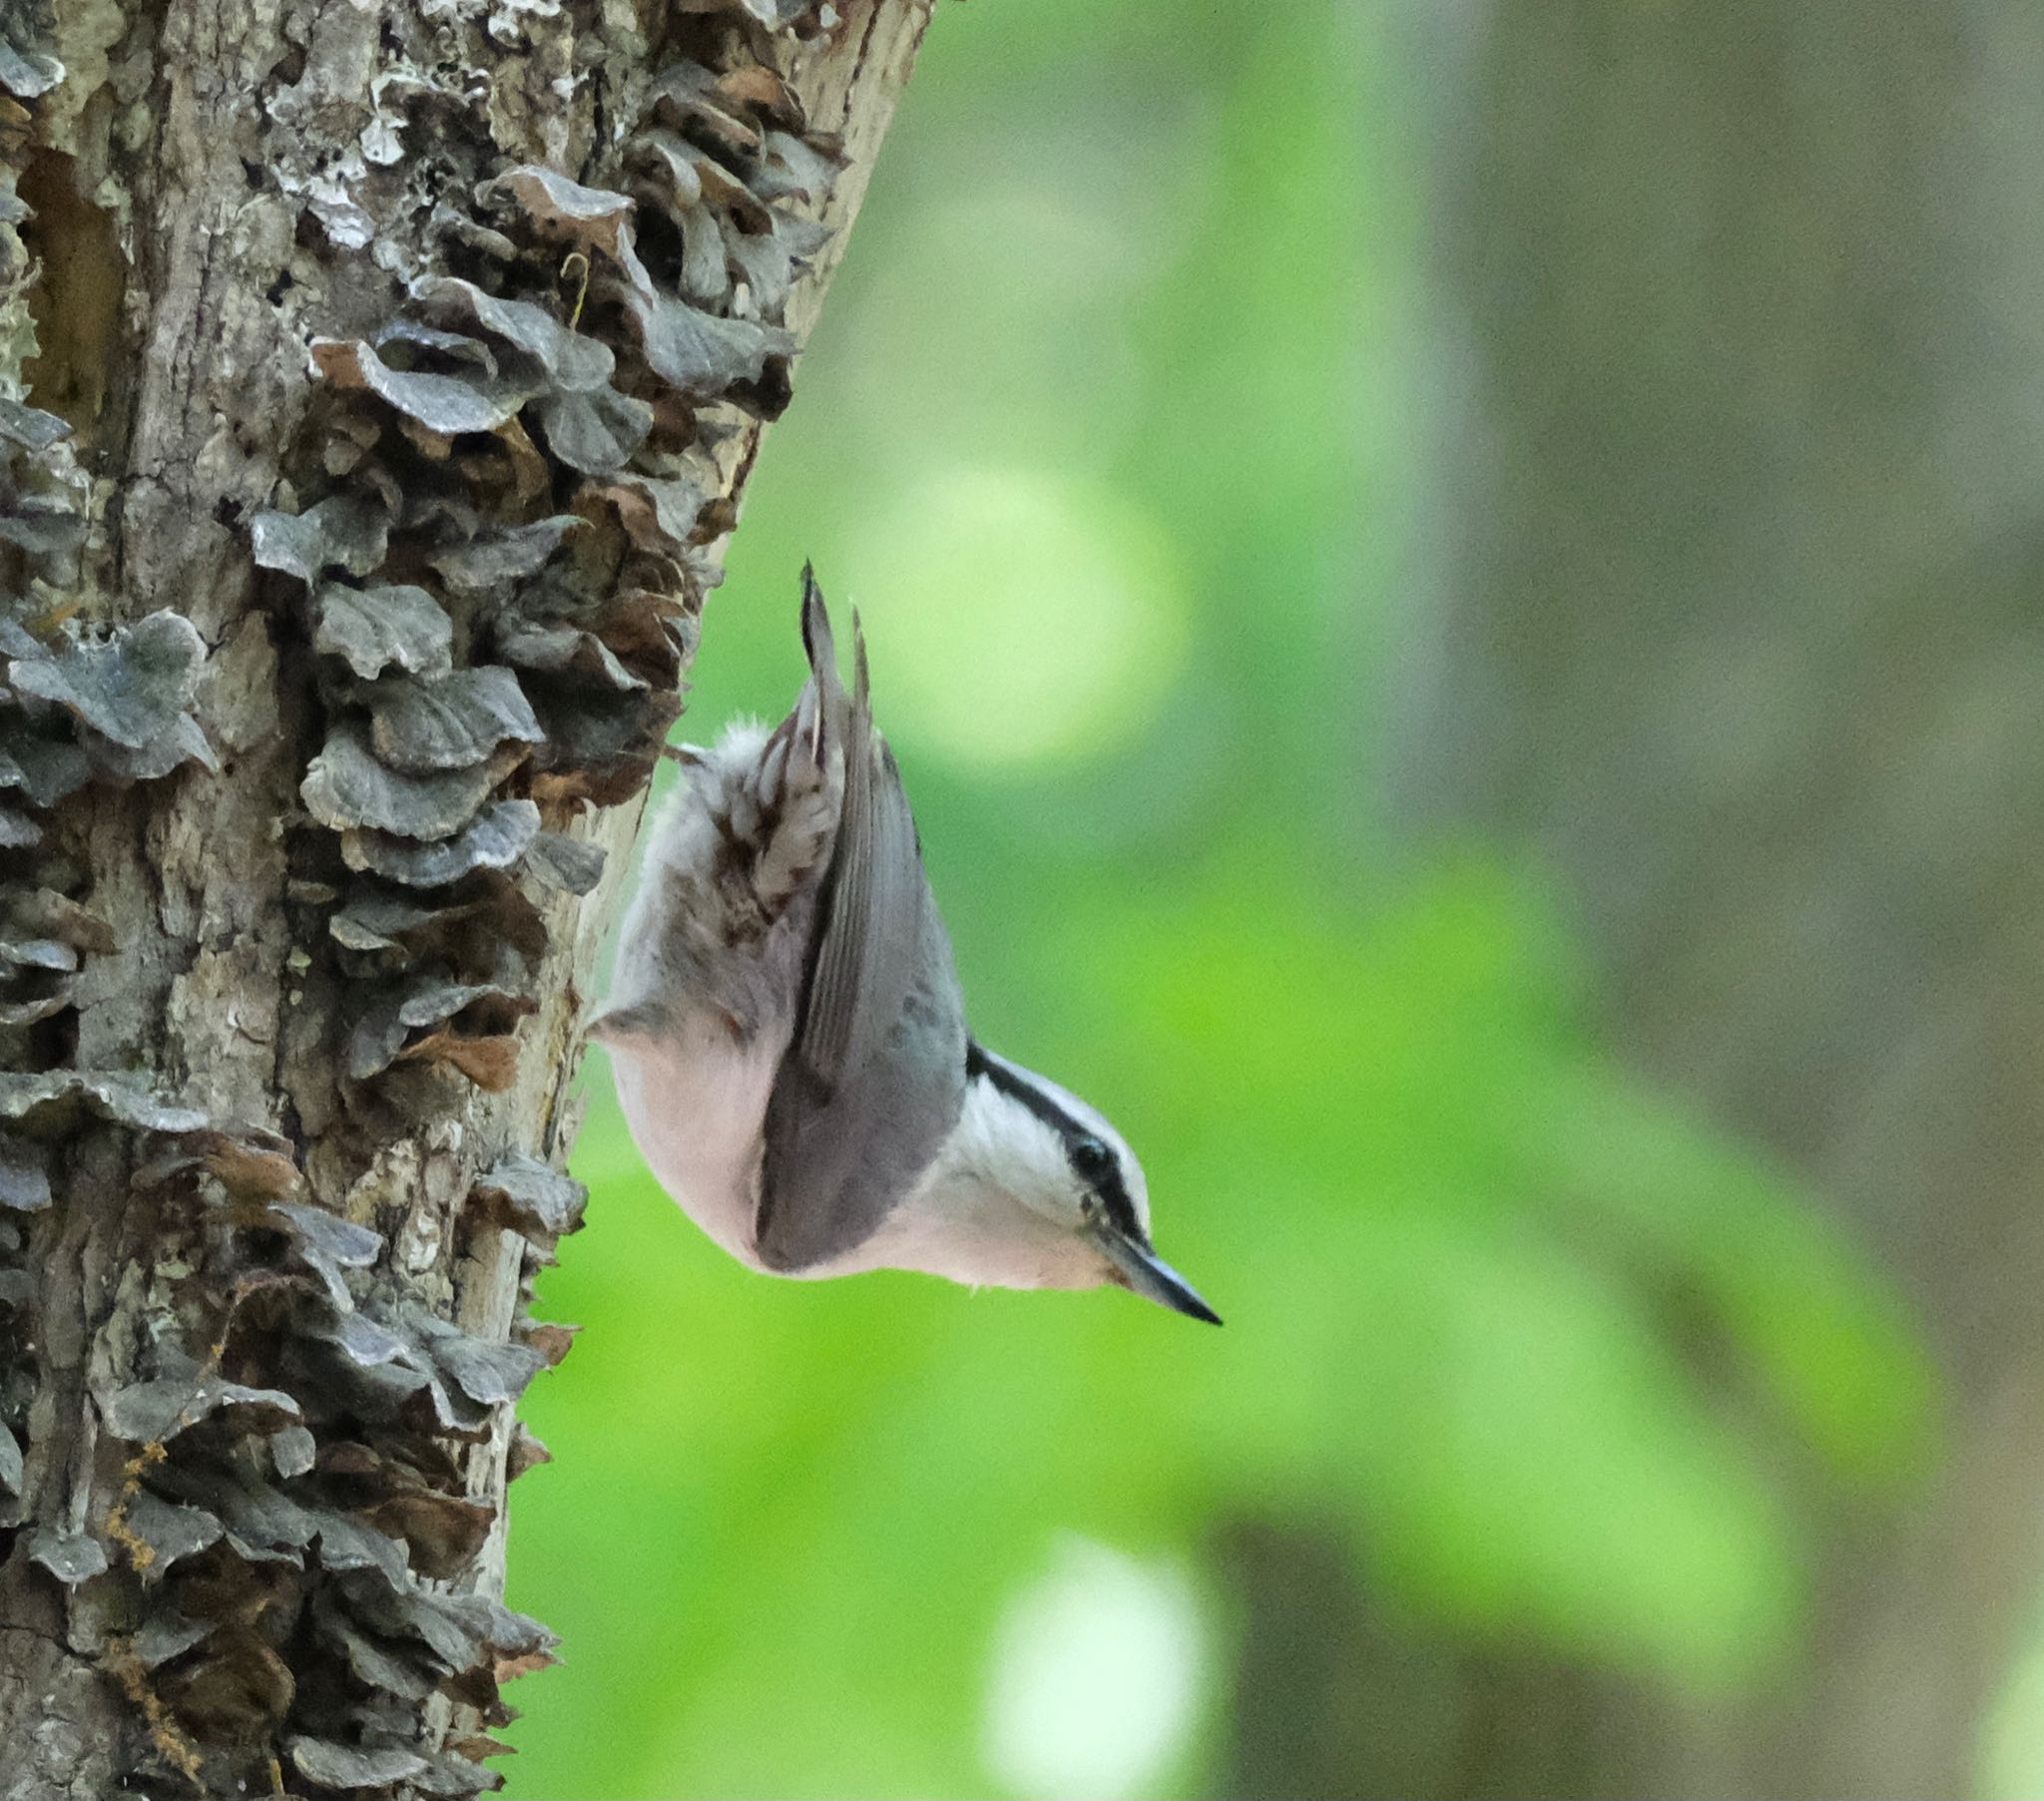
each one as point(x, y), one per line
point(1740, 558)
point(364, 474)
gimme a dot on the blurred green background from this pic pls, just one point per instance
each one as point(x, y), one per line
point(1533, 1378)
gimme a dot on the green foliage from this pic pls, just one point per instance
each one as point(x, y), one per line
point(1113, 365)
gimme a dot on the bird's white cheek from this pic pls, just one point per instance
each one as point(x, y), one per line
point(980, 1237)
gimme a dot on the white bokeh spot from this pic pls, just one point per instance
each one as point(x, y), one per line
point(1096, 1677)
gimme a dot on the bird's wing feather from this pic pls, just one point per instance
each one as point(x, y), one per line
point(874, 1077)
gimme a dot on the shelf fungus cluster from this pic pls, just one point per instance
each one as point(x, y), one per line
point(277, 1571)
point(523, 473)
point(78, 709)
point(481, 580)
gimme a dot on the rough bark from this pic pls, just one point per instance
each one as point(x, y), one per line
point(1739, 562)
point(377, 387)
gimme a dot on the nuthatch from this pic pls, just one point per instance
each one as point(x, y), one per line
point(789, 1037)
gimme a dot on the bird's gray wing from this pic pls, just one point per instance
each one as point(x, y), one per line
point(874, 1077)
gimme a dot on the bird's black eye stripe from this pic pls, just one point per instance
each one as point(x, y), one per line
point(1094, 1163)
point(1098, 1167)
point(1120, 1210)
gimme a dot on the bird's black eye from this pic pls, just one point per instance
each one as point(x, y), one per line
point(1091, 1158)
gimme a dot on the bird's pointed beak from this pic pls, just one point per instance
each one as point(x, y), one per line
point(1146, 1274)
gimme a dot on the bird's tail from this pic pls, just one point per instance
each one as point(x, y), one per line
point(796, 788)
point(824, 712)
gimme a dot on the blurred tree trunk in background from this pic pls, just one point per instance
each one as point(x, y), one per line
point(1739, 623)
point(1371, 1699)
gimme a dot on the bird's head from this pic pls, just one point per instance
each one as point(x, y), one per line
point(1075, 1188)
